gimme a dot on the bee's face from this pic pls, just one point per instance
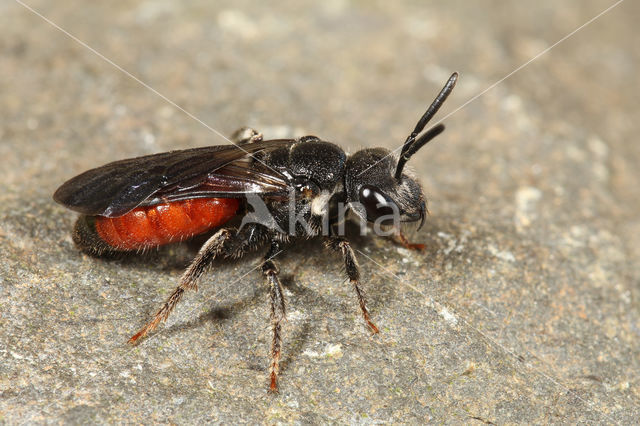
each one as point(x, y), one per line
point(375, 194)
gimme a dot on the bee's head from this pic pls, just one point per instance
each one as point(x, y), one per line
point(377, 186)
point(375, 194)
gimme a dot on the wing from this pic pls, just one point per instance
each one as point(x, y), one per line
point(224, 170)
point(232, 180)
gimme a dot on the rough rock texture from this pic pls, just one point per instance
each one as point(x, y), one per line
point(523, 308)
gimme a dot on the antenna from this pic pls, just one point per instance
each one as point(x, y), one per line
point(412, 145)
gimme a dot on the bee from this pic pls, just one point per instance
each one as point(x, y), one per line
point(297, 186)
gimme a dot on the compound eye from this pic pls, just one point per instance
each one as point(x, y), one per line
point(376, 203)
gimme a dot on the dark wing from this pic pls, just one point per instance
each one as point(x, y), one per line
point(233, 180)
point(224, 170)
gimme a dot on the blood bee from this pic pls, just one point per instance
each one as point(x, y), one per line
point(144, 202)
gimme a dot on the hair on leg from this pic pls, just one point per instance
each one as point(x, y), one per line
point(226, 242)
point(270, 271)
point(207, 253)
point(343, 246)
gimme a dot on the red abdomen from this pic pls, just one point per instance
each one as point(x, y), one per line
point(153, 226)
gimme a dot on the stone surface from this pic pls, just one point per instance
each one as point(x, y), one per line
point(523, 308)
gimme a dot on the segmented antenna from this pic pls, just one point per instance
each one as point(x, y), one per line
point(412, 145)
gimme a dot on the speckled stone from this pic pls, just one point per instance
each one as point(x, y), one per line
point(524, 308)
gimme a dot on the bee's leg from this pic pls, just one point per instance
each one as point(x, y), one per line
point(270, 271)
point(226, 242)
point(246, 135)
point(404, 242)
point(343, 246)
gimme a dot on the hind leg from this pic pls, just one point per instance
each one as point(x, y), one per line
point(246, 135)
point(224, 242)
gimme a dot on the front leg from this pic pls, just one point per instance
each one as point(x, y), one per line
point(270, 271)
point(343, 246)
point(404, 242)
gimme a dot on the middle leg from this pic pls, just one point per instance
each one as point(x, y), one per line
point(270, 271)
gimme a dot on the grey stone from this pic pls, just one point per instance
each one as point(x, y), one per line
point(522, 309)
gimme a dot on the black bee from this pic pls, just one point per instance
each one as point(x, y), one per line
point(283, 189)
